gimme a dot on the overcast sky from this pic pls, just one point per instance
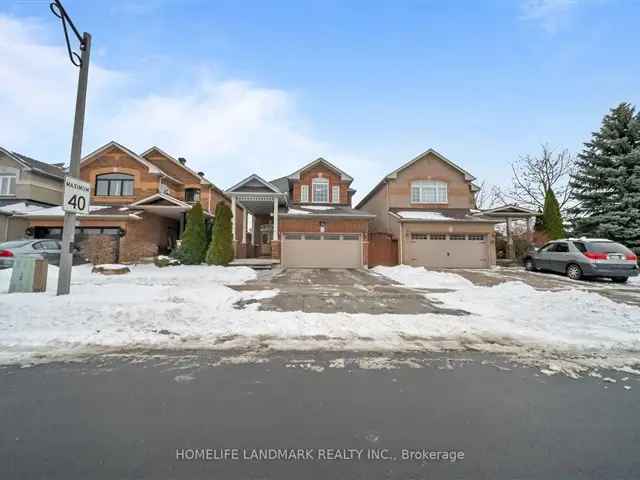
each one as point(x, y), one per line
point(264, 87)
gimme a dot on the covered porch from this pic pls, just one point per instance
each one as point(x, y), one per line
point(509, 215)
point(259, 203)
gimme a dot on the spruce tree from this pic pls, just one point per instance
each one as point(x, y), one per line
point(551, 217)
point(194, 239)
point(606, 183)
point(220, 250)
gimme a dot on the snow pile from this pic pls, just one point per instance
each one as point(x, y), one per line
point(19, 208)
point(421, 278)
point(422, 215)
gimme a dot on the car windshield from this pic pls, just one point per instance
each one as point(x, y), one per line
point(608, 247)
point(13, 244)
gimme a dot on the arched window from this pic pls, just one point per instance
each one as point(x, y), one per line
point(429, 191)
point(114, 185)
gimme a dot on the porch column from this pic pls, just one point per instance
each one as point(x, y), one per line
point(510, 252)
point(233, 218)
point(254, 233)
point(275, 218)
point(275, 240)
point(244, 225)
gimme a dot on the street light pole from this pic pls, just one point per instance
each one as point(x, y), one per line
point(82, 61)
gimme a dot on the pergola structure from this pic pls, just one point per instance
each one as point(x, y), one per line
point(507, 214)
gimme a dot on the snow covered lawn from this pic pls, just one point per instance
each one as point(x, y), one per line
point(193, 307)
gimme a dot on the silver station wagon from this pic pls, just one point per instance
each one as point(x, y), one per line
point(585, 257)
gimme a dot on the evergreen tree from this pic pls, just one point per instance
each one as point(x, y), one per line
point(220, 250)
point(194, 239)
point(551, 217)
point(606, 183)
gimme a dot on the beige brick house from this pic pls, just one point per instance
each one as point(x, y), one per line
point(428, 206)
point(138, 204)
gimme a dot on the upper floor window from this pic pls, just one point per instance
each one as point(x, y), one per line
point(335, 194)
point(7, 184)
point(114, 185)
point(191, 195)
point(320, 190)
point(429, 191)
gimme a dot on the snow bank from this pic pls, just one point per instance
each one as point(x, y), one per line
point(418, 277)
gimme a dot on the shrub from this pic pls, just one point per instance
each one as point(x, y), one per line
point(220, 250)
point(194, 239)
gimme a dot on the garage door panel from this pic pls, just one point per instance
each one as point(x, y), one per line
point(322, 250)
point(442, 250)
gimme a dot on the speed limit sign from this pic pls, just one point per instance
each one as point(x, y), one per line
point(76, 196)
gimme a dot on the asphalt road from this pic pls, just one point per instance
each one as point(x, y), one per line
point(122, 418)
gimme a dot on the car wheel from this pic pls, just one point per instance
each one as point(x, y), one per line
point(619, 279)
point(574, 272)
point(529, 265)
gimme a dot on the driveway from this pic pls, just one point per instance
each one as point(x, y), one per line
point(621, 293)
point(313, 290)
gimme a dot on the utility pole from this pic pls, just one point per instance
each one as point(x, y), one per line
point(81, 61)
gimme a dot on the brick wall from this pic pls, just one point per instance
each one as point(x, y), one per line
point(147, 238)
point(99, 249)
point(332, 225)
point(307, 176)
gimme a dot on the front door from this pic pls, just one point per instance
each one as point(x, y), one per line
point(266, 235)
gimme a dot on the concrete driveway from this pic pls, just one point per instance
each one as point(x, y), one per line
point(314, 290)
point(622, 293)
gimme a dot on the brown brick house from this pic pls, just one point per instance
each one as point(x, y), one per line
point(138, 204)
point(428, 206)
point(304, 219)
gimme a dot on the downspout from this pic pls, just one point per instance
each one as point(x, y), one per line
point(401, 243)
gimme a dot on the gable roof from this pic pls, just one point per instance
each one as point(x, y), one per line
point(393, 175)
point(511, 208)
point(343, 175)
point(177, 162)
point(251, 178)
point(161, 196)
point(36, 165)
point(150, 166)
point(467, 175)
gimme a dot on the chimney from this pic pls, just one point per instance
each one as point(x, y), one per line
point(182, 160)
point(201, 174)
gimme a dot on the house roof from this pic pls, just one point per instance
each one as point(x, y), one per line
point(177, 162)
point(511, 208)
point(160, 196)
point(438, 215)
point(393, 175)
point(95, 211)
point(324, 211)
point(254, 178)
point(343, 175)
point(43, 168)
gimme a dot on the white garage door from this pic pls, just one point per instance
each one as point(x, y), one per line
point(322, 250)
point(443, 250)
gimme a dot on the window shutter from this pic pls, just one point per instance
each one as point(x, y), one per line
point(336, 194)
point(304, 193)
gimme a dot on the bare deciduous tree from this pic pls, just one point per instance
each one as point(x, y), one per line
point(533, 176)
point(489, 196)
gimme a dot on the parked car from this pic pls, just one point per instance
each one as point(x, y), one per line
point(45, 248)
point(585, 257)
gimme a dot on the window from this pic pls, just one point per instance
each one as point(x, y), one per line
point(419, 236)
point(313, 237)
point(304, 193)
point(475, 236)
point(428, 191)
point(114, 185)
point(332, 237)
point(351, 237)
point(320, 190)
point(335, 194)
point(438, 236)
point(560, 247)
point(191, 195)
point(292, 236)
point(7, 184)
point(457, 237)
point(580, 246)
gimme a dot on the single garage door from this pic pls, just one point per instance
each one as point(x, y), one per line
point(443, 250)
point(322, 250)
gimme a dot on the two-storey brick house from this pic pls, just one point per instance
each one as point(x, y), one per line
point(305, 219)
point(138, 204)
point(428, 206)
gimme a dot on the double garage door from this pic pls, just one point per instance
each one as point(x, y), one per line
point(322, 250)
point(443, 250)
